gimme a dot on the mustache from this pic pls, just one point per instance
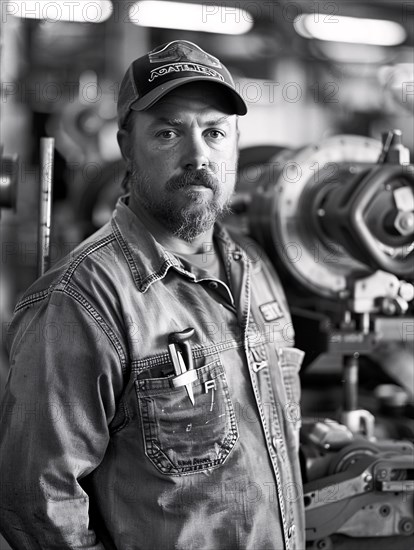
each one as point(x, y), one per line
point(192, 177)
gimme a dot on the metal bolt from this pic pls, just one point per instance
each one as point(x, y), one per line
point(404, 223)
point(385, 510)
point(407, 222)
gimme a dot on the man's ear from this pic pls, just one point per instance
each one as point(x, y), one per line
point(123, 141)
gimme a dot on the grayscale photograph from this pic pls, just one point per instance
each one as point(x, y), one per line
point(207, 275)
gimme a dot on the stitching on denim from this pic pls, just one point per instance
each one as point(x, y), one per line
point(233, 436)
point(144, 284)
point(290, 366)
point(124, 247)
point(273, 457)
point(152, 450)
point(157, 456)
point(33, 298)
point(276, 420)
point(160, 274)
point(160, 456)
point(67, 275)
point(289, 369)
point(264, 377)
point(246, 311)
point(155, 387)
point(139, 365)
point(254, 377)
point(275, 416)
point(105, 327)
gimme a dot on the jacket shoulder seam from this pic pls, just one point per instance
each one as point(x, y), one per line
point(73, 293)
point(31, 299)
point(64, 279)
point(68, 274)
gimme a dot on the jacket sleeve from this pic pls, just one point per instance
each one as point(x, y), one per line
point(61, 395)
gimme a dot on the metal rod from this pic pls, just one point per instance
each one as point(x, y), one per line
point(47, 146)
point(350, 382)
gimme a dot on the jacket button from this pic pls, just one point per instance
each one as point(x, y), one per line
point(213, 285)
point(291, 530)
point(275, 442)
point(237, 256)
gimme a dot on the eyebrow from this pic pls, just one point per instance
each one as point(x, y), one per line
point(179, 122)
point(168, 121)
point(217, 120)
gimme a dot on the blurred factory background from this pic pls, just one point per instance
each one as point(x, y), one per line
point(309, 70)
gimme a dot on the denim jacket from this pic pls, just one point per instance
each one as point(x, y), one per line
point(99, 449)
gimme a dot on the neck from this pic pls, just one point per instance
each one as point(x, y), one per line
point(169, 241)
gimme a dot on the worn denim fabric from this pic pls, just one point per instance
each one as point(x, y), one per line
point(98, 450)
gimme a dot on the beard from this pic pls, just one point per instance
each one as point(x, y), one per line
point(185, 212)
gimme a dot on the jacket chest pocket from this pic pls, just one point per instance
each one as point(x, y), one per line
point(181, 438)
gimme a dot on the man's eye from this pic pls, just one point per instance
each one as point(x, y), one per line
point(167, 134)
point(215, 134)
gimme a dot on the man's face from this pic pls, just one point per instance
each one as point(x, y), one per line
point(183, 158)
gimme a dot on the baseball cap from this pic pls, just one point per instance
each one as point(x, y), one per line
point(152, 76)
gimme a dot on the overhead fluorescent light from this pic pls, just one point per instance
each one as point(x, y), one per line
point(355, 53)
point(191, 17)
point(352, 30)
point(74, 11)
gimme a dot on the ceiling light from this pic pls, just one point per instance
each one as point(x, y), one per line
point(355, 53)
point(93, 11)
point(191, 17)
point(353, 30)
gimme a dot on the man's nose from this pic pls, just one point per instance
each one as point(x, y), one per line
point(195, 154)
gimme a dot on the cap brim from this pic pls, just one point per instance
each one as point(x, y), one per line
point(149, 99)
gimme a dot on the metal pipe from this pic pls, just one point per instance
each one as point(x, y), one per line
point(47, 146)
point(350, 382)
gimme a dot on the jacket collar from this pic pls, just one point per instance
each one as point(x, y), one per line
point(148, 260)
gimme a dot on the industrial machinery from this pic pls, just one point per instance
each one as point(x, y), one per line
point(337, 220)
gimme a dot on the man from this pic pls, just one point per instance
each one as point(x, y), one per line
point(153, 393)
